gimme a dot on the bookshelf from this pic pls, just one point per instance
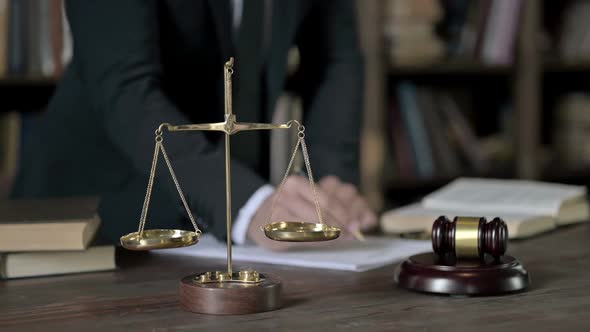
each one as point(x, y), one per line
point(532, 83)
point(25, 94)
point(35, 45)
point(449, 68)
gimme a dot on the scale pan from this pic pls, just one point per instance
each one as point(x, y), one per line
point(159, 239)
point(298, 231)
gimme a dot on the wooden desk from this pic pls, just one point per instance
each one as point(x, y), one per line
point(142, 295)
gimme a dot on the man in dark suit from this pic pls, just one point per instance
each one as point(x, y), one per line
point(138, 63)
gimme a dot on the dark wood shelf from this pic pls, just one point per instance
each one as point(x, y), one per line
point(571, 175)
point(25, 93)
point(28, 81)
point(476, 68)
point(405, 191)
point(566, 67)
point(450, 68)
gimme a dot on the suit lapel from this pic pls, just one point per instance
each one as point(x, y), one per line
point(221, 16)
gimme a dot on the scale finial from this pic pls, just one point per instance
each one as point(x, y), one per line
point(228, 70)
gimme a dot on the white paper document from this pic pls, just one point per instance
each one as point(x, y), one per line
point(356, 256)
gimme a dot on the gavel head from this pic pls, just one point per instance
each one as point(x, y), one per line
point(469, 237)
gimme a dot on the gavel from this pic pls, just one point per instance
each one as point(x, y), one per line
point(469, 237)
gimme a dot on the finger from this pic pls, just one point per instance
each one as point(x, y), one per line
point(347, 193)
point(330, 183)
point(356, 208)
point(363, 216)
point(329, 203)
point(349, 197)
point(368, 220)
point(303, 210)
point(299, 208)
point(334, 212)
point(294, 206)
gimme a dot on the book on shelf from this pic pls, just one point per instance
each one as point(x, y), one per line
point(431, 136)
point(48, 224)
point(34, 38)
point(17, 37)
point(414, 122)
point(45, 263)
point(444, 155)
point(573, 41)
point(571, 131)
point(3, 37)
point(462, 134)
point(409, 30)
point(403, 158)
point(528, 207)
point(32, 20)
point(10, 133)
point(484, 30)
point(500, 32)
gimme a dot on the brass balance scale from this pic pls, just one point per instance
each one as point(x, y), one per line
point(229, 292)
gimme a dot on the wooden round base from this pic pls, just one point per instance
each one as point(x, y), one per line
point(230, 298)
point(429, 273)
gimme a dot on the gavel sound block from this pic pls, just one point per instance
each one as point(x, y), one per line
point(468, 259)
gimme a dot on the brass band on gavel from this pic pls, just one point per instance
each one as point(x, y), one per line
point(469, 237)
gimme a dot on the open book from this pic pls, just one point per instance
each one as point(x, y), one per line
point(356, 256)
point(528, 207)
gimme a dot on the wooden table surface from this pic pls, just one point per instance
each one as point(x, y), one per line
point(142, 296)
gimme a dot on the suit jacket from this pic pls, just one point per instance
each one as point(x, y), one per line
point(138, 63)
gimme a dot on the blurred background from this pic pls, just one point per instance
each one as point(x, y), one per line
point(490, 88)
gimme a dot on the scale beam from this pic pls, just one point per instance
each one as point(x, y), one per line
point(229, 126)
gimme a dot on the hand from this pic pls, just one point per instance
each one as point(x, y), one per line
point(341, 205)
point(359, 216)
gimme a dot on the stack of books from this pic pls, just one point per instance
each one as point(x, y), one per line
point(432, 137)
point(482, 30)
point(48, 237)
point(35, 40)
point(410, 31)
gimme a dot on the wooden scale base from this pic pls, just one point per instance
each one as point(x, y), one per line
point(431, 273)
point(230, 297)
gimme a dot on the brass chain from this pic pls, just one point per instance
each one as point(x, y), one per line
point(282, 184)
point(160, 147)
point(311, 181)
point(300, 141)
point(186, 207)
point(148, 193)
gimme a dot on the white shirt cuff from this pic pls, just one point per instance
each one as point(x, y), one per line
point(240, 227)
